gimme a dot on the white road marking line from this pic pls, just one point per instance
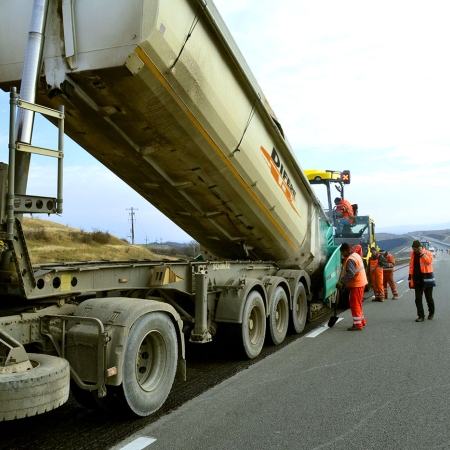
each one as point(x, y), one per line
point(402, 250)
point(320, 330)
point(139, 443)
point(401, 281)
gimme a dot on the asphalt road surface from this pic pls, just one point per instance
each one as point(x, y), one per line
point(384, 387)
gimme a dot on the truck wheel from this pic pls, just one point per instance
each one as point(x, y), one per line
point(149, 367)
point(253, 327)
point(299, 309)
point(150, 363)
point(279, 316)
point(36, 391)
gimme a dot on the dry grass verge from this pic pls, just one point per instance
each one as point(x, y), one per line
point(52, 242)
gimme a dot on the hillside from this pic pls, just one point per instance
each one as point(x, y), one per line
point(440, 235)
point(400, 245)
point(52, 242)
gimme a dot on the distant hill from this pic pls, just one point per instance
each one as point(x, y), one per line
point(384, 236)
point(406, 229)
point(190, 249)
point(440, 235)
point(400, 245)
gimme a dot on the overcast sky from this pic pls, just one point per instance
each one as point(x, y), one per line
point(356, 85)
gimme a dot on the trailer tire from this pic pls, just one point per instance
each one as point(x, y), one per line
point(36, 391)
point(150, 363)
point(299, 311)
point(249, 335)
point(149, 367)
point(278, 320)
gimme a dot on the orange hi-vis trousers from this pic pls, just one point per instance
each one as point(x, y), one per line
point(356, 299)
point(388, 279)
point(376, 277)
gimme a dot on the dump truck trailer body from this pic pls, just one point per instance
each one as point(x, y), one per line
point(167, 103)
point(159, 93)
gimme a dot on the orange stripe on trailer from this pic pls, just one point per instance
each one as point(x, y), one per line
point(148, 62)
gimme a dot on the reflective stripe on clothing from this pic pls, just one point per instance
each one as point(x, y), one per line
point(357, 320)
point(359, 279)
point(426, 269)
point(356, 298)
point(388, 280)
point(376, 276)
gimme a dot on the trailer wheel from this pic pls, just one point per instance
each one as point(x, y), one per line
point(278, 320)
point(299, 309)
point(253, 327)
point(150, 363)
point(149, 367)
point(36, 391)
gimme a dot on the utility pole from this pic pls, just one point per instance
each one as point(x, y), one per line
point(132, 213)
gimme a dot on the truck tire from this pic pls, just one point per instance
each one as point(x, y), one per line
point(149, 367)
point(278, 320)
point(249, 335)
point(299, 311)
point(36, 391)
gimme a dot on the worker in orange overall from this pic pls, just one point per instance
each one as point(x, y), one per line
point(376, 264)
point(354, 278)
point(357, 249)
point(388, 275)
point(344, 213)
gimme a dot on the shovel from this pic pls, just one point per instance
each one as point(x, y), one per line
point(334, 319)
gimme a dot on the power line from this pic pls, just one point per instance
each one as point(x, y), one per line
point(132, 213)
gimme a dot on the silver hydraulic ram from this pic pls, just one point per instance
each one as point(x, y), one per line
point(31, 69)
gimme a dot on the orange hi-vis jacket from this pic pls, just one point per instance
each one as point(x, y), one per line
point(374, 265)
point(345, 208)
point(360, 278)
point(391, 260)
point(426, 258)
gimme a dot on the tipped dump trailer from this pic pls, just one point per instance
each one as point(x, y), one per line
point(159, 93)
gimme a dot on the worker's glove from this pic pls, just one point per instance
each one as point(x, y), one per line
point(409, 277)
point(340, 286)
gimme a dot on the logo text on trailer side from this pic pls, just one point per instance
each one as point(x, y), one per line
point(280, 176)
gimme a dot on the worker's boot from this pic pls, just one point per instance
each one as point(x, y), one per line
point(420, 319)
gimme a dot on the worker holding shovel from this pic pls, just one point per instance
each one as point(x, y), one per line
point(354, 278)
